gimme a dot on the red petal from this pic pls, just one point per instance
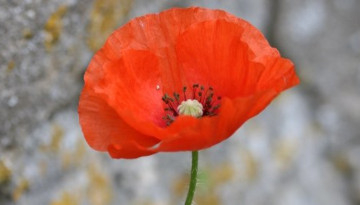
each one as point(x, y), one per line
point(279, 74)
point(132, 84)
point(102, 126)
point(212, 53)
point(226, 55)
point(125, 150)
point(158, 34)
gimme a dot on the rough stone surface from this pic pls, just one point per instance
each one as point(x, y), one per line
point(303, 150)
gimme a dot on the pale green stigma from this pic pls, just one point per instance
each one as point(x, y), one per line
point(190, 107)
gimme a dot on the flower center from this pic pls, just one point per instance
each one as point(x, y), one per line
point(190, 107)
point(198, 102)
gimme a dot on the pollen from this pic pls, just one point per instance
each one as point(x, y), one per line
point(191, 107)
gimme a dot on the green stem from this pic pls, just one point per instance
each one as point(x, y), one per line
point(193, 178)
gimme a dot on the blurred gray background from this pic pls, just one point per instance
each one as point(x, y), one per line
point(302, 150)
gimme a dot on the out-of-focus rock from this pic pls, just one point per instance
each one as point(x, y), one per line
point(323, 37)
point(42, 59)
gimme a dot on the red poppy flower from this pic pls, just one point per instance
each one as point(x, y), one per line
point(136, 86)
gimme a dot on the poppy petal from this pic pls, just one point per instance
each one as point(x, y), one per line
point(158, 34)
point(103, 127)
point(133, 82)
point(215, 53)
point(279, 74)
point(127, 150)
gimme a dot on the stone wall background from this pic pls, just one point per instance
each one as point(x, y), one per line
point(303, 150)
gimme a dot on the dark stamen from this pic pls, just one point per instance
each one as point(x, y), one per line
point(195, 86)
point(204, 96)
point(177, 97)
point(184, 91)
point(215, 107)
point(209, 98)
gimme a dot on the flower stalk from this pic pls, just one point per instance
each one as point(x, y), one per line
point(193, 178)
